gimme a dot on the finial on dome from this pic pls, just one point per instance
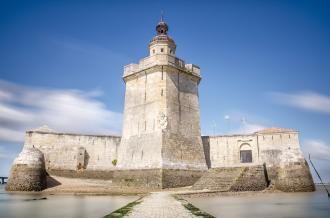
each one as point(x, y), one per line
point(161, 16)
point(162, 27)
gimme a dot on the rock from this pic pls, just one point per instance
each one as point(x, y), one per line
point(28, 171)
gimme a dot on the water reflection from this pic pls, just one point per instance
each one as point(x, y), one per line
point(23, 205)
point(270, 205)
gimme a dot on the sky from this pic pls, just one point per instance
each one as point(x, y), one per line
point(263, 64)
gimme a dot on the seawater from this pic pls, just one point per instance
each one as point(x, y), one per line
point(267, 205)
point(23, 205)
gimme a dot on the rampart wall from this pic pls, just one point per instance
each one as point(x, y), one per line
point(71, 152)
point(274, 149)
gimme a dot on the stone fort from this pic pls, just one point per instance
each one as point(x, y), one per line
point(161, 144)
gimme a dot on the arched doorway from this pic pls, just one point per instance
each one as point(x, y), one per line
point(246, 153)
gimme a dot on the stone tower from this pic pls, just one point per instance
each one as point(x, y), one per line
point(161, 143)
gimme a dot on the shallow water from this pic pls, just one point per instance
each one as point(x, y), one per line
point(269, 205)
point(22, 205)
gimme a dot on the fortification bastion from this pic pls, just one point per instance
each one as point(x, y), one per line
point(161, 144)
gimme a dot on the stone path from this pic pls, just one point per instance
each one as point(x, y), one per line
point(159, 205)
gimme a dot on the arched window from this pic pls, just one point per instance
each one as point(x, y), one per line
point(246, 153)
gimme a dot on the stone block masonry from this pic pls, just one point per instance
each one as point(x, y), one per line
point(72, 152)
point(160, 204)
point(161, 144)
point(161, 128)
point(28, 171)
point(277, 149)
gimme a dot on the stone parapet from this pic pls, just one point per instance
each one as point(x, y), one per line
point(160, 59)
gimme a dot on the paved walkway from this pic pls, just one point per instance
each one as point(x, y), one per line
point(159, 205)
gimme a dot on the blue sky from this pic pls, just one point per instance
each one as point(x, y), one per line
point(263, 63)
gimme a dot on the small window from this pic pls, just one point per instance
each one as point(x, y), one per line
point(153, 51)
point(170, 51)
point(161, 50)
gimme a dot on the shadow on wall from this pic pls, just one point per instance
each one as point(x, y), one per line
point(51, 182)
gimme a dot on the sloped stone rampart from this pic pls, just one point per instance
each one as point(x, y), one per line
point(295, 177)
point(156, 179)
point(85, 174)
point(172, 178)
point(144, 178)
point(28, 172)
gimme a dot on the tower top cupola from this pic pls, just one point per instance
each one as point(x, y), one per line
point(161, 27)
point(162, 44)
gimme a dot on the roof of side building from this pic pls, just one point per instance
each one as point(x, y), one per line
point(275, 130)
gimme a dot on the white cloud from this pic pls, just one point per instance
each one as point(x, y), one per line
point(248, 127)
point(23, 108)
point(307, 100)
point(240, 122)
point(318, 149)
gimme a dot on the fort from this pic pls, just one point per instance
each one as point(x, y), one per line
point(161, 144)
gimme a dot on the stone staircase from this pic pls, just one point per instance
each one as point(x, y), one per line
point(250, 178)
point(219, 179)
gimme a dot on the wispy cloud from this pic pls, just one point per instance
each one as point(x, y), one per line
point(307, 100)
point(89, 50)
point(236, 122)
point(318, 149)
point(248, 127)
point(23, 108)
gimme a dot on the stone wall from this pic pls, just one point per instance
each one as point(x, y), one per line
point(294, 177)
point(272, 148)
point(277, 149)
point(161, 126)
point(172, 178)
point(28, 171)
point(150, 179)
point(182, 146)
point(71, 152)
point(144, 119)
point(225, 150)
point(155, 179)
point(253, 178)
